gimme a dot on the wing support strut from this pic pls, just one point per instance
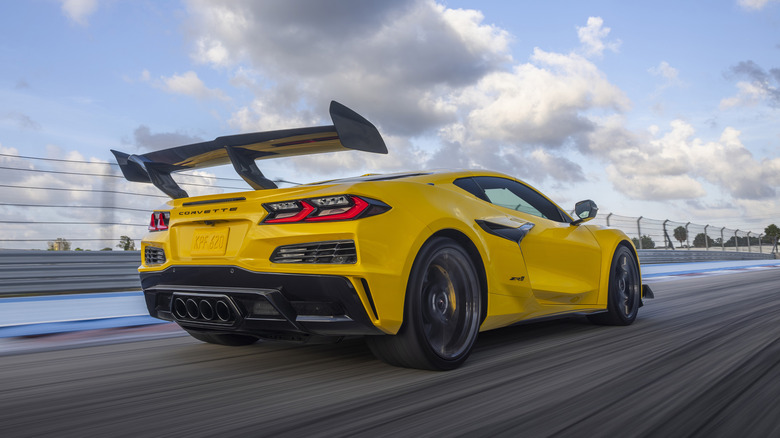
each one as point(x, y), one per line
point(246, 167)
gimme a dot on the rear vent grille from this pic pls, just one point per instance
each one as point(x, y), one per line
point(154, 256)
point(334, 252)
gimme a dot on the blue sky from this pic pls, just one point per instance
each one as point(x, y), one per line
point(665, 109)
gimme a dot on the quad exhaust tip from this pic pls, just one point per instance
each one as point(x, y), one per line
point(206, 310)
point(202, 309)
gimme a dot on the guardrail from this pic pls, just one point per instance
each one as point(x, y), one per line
point(49, 272)
point(24, 272)
point(655, 256)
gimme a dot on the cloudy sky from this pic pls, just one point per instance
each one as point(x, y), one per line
point(662, 109)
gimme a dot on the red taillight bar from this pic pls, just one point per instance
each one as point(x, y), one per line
point(306, 209)
point(352, 213)
point(159, 221)
point(162, 224)
point(327, 208)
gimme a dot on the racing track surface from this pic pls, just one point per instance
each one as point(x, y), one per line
point(702, 360)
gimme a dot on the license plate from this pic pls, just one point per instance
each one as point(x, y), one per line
point(209, 241)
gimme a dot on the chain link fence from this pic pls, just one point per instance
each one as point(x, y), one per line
point(650, 233)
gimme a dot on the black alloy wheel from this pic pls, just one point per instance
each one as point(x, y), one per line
point(625, 290)
point(442, 312)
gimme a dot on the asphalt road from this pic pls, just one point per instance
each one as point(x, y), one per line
point(703, 359)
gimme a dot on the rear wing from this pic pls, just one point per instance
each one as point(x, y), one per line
point(349, 131)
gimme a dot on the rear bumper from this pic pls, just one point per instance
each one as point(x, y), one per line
point(256, 303)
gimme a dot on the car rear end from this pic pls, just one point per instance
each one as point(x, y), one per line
point(281, 263)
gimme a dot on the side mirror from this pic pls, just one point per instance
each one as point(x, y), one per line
point(585, 211)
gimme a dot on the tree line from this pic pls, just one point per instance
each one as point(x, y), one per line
point(62, 244)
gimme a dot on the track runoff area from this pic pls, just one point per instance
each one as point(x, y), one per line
point(43, 315)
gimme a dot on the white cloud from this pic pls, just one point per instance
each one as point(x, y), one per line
point(669, 74)
point(209, 51)
point(79, 11)
point(540, 103)
point(260, 116)
point(408, 55)
point(675, 164)
point(592, 36)
point(729, 164)
point(477, 37)
point(655, 187)
point(755, 5)
point(760, 86)
point(543, 102)
point(188, 84)
point(9, 157)
point(556, 167)
point(665, 70)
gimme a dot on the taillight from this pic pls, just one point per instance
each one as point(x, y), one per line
point(335, 211)
point(328, 208)
point(159, 221)
point(295, 211)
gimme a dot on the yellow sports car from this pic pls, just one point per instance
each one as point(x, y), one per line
point(417, 262)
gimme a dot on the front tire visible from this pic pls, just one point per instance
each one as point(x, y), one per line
point(442, 311)
point(230, 339)
point(625, 289)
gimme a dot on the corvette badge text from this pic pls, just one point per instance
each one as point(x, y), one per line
point(213, 210)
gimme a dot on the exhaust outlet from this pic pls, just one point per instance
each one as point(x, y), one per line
point(180, 308)
point(223, 311)
point(192, 309)
point(206, 310)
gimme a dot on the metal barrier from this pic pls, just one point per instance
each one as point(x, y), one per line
point(24, 272)
point(650, 233)
point(655, 256)
point(48, 272)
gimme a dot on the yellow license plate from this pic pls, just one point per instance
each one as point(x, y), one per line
point(209, 242)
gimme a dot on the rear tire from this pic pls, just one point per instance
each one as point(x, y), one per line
point(230, 339)
point(442, 311)
point(625, 290)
